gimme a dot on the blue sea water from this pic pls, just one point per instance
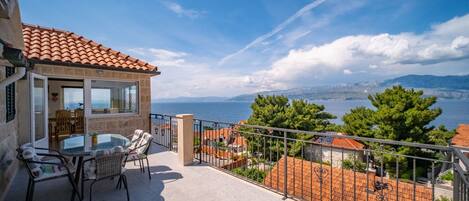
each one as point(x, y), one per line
point(454, 111)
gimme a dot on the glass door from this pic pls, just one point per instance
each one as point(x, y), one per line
point(39, 111)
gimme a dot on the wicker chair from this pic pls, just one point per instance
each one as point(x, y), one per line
point(107, 165)
point(79, 126)
point(140, 152)
point(63, 124)
point(43, 170)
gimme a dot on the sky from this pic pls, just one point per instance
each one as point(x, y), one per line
point(227, 48)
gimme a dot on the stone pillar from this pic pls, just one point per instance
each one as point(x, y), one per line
point(185, 138)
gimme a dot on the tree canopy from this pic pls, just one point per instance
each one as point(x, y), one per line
point(402, 115)
point(278, 111)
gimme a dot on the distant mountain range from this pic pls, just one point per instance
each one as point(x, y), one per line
point(450, 82)
point(446, 87)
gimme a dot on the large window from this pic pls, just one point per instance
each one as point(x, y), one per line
point(73, 98)
point(113, 97)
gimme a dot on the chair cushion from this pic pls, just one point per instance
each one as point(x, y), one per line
point(29, 153)
point(49, 171)
point(43, 171)
point(137, 134)
point(144, 143)
point(136, 156)
point(136, 137)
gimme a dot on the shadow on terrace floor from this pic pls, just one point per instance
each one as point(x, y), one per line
point(170, 181)
point(140, 187)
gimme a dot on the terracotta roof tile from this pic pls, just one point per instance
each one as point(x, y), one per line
point(462, 136)
point(347, 143)
point(48, 44)
point(344, 143)
point(226, 133)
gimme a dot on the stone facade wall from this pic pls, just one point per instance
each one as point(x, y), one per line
point(114, 123)
point(8, 143)
point(11, 33)
point(11, 29)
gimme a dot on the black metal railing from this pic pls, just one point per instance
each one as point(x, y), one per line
point(310, 165)
point(164, 130)
point(461, 179)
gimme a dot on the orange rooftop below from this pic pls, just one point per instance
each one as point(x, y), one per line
point(462, 136)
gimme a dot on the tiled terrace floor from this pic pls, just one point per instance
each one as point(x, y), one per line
point(169, 182)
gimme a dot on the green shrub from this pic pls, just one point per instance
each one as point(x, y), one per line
point(408, 174)
point(251, 173)
point(443, 198)
point(447, 176)
point(196, 141)
point(353, 164)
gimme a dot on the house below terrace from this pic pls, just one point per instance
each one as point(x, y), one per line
point(334, 150)
point(228, 138)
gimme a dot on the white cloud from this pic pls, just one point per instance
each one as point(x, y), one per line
point(162, 57)
point(184, 74)
point(358, 52)
point(181, 11)
point(277, 29)
point(452, 27)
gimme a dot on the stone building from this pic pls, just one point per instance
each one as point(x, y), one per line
point(45, 70)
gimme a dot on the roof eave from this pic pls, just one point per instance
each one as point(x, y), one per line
point(92, 66)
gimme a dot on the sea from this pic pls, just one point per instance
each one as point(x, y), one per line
point(455, 112)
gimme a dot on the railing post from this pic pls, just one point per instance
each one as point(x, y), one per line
point(170, 143)
point(200, 142)
point(150, 124)
point(456, 179)
point(285, 169)
point(185, 129)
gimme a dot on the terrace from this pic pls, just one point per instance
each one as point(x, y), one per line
point(193, 159)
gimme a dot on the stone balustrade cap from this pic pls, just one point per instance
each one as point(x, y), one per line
point(184, 116)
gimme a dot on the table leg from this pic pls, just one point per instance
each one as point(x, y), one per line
point(78, 175)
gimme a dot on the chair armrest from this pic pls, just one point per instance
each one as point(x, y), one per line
point(45, 162)
point(62, 158)
point(54, 153)
point(46, 149)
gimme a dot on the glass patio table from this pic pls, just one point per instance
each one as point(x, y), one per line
point(82, 145)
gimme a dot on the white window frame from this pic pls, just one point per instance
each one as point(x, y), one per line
point(44, 142)
point(87, 101)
